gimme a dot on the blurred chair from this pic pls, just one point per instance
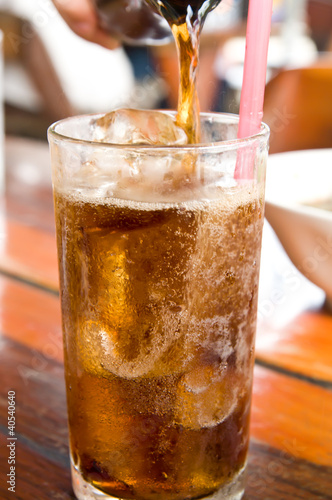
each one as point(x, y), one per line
point(31, 107)
point(298, 108)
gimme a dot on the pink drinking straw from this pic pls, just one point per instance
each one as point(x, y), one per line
point(254, 77)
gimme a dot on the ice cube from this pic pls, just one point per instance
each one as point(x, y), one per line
point(101, 353)
point(134, 126)
point(206, 396)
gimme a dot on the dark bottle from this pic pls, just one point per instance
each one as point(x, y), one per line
point(140, 22)
point(177, 11)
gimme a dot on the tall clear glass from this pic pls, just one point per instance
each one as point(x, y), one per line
point(159, 251)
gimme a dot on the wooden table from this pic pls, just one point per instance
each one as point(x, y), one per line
point(291, 430)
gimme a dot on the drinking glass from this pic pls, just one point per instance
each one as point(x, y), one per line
point(159, 251)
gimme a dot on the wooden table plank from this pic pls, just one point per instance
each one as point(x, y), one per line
point(29, 253)
point(41, 415)
point(275, 475)
point(303, 345)
point(31, 317)
point(36, 476)
point(32, 215)
point(293, 416)
point(28, 182)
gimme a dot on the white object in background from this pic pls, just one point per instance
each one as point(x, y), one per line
point(293, 29)
point(295, 180)
point(94, 79)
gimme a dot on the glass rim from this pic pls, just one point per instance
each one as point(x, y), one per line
point(229, 118)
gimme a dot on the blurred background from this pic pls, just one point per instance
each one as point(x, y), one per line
point(50, 73)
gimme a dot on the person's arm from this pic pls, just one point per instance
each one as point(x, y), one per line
point(81, 17)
